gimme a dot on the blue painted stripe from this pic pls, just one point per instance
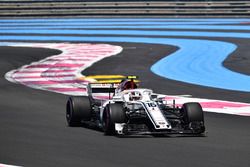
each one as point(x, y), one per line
point(126, 20)
point(106, 26)
point(102, 23)
point(133, 33)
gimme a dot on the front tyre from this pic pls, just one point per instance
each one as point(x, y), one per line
point(78, 108)
point(193, 117)
point(113, 113)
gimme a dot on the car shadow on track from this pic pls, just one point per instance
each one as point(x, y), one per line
point(157, 136)
point(98, 129)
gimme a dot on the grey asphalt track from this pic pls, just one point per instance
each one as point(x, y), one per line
point(33, 130)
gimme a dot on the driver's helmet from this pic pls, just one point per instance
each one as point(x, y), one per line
point(127, 84)
point(134, 96)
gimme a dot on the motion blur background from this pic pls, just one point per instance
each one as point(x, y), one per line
point(167, 8)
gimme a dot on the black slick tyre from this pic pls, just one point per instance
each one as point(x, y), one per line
point(78, 108)
point(113, 113)
point(193, 117)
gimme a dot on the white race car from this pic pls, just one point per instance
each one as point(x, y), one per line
point(130, 110)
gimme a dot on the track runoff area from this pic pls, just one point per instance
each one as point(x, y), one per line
point(62, 74)
point(197, 61)
point(202, 47)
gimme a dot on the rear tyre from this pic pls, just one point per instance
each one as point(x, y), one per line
point(113, 113)
point(193, 117)
point(78, 109)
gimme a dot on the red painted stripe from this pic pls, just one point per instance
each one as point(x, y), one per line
point(221, 104)
point(57, 75)
point(48, 76)
point(57, 71)
point(51, 82)
point(93, 56)
point(68, 89)
point(102, 97)
point(43, 71)
point(54, 65)
point(69, 58)
point(27, 77)
point(169, 98)
point(27, 72)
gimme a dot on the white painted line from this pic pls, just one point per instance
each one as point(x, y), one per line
point(5, 165)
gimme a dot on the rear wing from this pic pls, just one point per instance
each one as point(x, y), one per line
point(106, 83)
point(102, 87)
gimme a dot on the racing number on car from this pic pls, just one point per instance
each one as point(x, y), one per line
point(151, 105)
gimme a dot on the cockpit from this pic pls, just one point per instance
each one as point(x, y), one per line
point(137, 95)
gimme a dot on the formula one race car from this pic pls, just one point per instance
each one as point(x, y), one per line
point(130, 110)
